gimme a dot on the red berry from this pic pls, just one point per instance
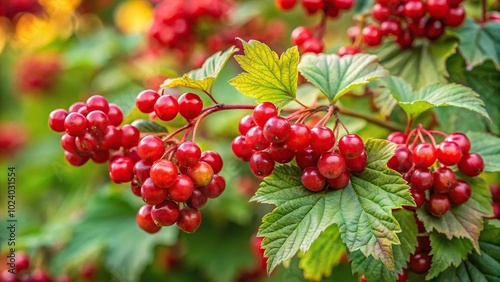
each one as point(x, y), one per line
point(163, 173)
point(340, 182)
point(245, 124)
point(422, 178)
point(461, 139)
point(454, 3)
point(438, 8)
point(111, 139)
point(75, 124)
point(146, 100)
point(306, 158)
point(424, 155)
point(121, 170)
point(357, 164)
point(444, 180)
point(418, 195)
point(86, 143)
point(97, 121)
point(188, 154)
point(241, 149)
point(263, 112)
point(215, 188)
point(362, 278)
point(343, 4)
point(300, 35)
point(276, 129)
point(312, 6)
point(182, 188)
point(145, 221)
point(312, 179)
point(152, 194)
point(322, 139)
point(403, 276)
point(75, 107)
point(40, 275)
point(402, 159)
point(75, 159)
point(201, 173)
point(471, 164)
point(255, 139)
point(414, 9)
point(56, 120)
point(460, 193)
point(197, 200)
point(420, 263)
point(150, 149)
point(331, 165)
point(115, 115)
point(22, 261)
point(448, 153)
point(130, 136)
point(313, 45)
point(353, 32)
point(434, 29)
point(285, 5)
point(372, 36)
point(281, 153)
point(438, 204)
point(135, 188)
point(190, 105)
point(397, 137)
point(213, 159)
point(405, 39)
point(97, 103)
point(495, 192)
point(418, 27)
point(68, 143)
point(100, 156)
point(331, 10)
point(261, 164)
point(424, 244)
point(351, 146)
point(189, 220)
point(88, 271)
point(299, 137)
point(380, 13)
point(455, 17)
point(348, 50)
point(141, 170)
point(165, 213)
point(496, 210)
point(166, 107)
point(390, 27)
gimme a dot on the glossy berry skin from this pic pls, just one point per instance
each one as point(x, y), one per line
point(86, 143)
point(420, 263)
point(166, 107)
point(322, 139)
point(437, 8)
point(357, 164)
point(88, 271)
point(343, 4)
point(215, 188)
point(471, 164)
point(402, 159)
point(331, 165)
point(281, 153)
point(135, 188)
point(414, 9)
point(313, 45)
point(405, 39)
point(76, 106)
point(201, 173)
point(495, 192)
point(261, 164)
point(390, 27)
point(348, 50)
point(299, 137)
point(213, 159)
point(372, 36)
point(97, 121)
point(190, 105)
point(300, 35)
point(340, 182)
point(163, 173)
point(150, 149)
point(189, 220)
point(438, 204)
point(197, 200)
point(188, 154)
point(263, 112)
point(97, 103)
point(444, 180)
point(351, 146)
point(434, 29)
point(460, 193)
point(75, 159)
point(418, 195)
point(380, 13)
point(56, 120)
point(22, 261)
point(422, 178)
point(255, 139)
point(241, 149)
point(418, 27)
point(276, 129)
point(245, 124)
point(461, 139)
point(145, 221)
point(152, 194)
point(397, 137)
point(424, 244)
point(165, 213)
point(182, 188)
point(448, 153)
point(312, 179)
point(75, 124)
point(306, 158)
point(115, 115)
point(285, 5)
point(424, 155)
point(145, 101)
point(129, 136)
point(312, 6)
point(68, 143)
point(111, 138)
point(455, 17)
point(121, 170)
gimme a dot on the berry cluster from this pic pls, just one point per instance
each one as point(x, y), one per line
point(403, 21)
point(169, 173)
point(37, 73)
point(420, 260)
point(304, 37)
point(267, 138)
point(417, 164)
point(495, 195)
point(92, 131)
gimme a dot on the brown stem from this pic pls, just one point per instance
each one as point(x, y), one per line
point(387, 124)
point(359, 36)
point(484, 9)
point(408, 126)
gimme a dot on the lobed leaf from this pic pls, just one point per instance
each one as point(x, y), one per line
point(446, 252)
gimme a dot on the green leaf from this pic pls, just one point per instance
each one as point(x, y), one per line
point(422, 64)
point(323, 255)
point(466, 220)
point(375, 270)
point(488, 146)
point(268, 77)
point(361, 6)
point(204, 77)
point(479, 267)
point(383, 93)
point(446, 252)
point(128, 248)
point(148, 126)
point(336, 76)
point(479, 42)
point(362, 210)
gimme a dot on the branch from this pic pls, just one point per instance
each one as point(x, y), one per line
point(387, 124)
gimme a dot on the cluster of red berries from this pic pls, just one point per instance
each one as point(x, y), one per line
point(170, 174)
point(92, 131)
point(37, 73)
point(176, 24)
point(303, 37)
point(267, 138)
point(405, 20)
point(495, 195)
point(417, 164)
